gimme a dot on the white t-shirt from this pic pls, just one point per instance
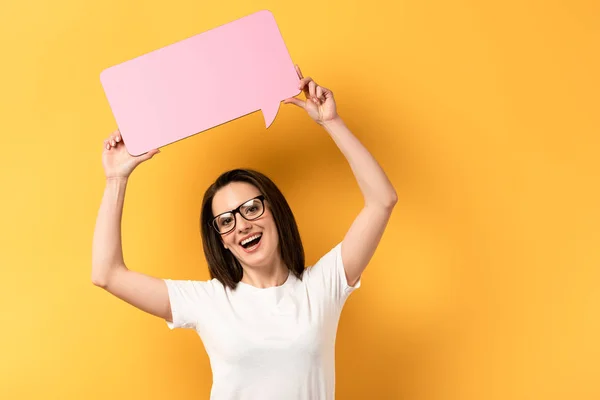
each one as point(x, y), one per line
point(271, 343)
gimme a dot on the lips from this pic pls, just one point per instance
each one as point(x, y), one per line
point(249, 236)
point(254, 247)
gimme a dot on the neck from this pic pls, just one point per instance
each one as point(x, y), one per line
point(264, 277)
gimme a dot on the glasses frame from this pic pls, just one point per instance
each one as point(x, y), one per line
point(261, 198)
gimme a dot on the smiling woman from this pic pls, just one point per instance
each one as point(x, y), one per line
point(267, 321)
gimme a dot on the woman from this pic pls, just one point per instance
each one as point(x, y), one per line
point(267, 323)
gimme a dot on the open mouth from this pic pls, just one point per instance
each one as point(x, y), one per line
point(252, 243)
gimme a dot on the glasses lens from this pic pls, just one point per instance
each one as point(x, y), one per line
point(252, 209)
point(224, 222)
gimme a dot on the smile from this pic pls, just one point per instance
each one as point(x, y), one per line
point(252, 242)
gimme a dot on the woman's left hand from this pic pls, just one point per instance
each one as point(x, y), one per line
point(319, 103)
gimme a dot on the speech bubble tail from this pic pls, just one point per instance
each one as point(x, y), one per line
point(270, 112)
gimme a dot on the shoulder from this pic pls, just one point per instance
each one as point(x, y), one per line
point(326, 264)
point(194, 287)
point(328, 276)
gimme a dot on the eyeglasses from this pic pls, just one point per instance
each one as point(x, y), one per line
point(250, 210)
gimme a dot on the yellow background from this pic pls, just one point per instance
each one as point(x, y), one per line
point(484, 116)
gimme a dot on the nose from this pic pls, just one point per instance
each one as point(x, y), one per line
point(241, 223)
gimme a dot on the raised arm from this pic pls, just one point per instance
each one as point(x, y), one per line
point(108, 267)
point(366, 231)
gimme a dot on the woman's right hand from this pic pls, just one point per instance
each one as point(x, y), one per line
point(117, 162)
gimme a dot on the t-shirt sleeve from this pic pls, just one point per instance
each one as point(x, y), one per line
point(189, 299)
point(329, 277)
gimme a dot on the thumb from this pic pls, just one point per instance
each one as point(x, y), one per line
point(149, 155)
point(295, 101)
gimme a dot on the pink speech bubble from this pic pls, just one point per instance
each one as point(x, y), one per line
point(201, 82)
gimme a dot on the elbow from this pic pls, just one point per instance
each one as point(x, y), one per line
point(102, 275)
point(98, 278)
point(98, 281)
point(387, 202)
point(390, 201)
point(393, 200)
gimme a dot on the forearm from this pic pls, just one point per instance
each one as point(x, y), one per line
point(107, 251)
point(372, 180)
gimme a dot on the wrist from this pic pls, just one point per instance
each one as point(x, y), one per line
point(117, 179)
point(332, 123)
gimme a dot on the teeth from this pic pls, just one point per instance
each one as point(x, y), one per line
point(250, 238)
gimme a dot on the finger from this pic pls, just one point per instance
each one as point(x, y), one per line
point(299, 72)
point(327, 93)
point(320, 93)
point(295, 101)
point(320, 99)
point(312, 86)
point(149, 154)
point(303, 83)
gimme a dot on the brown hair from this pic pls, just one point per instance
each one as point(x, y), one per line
point(222, 264)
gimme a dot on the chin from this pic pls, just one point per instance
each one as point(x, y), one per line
point(259, 257)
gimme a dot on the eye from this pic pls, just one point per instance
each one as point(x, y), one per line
point(225, 221)
point(252, 210)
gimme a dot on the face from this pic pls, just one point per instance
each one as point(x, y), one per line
point(266, 252)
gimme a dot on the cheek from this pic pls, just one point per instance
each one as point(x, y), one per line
point(273, 232)
point(228, 241)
